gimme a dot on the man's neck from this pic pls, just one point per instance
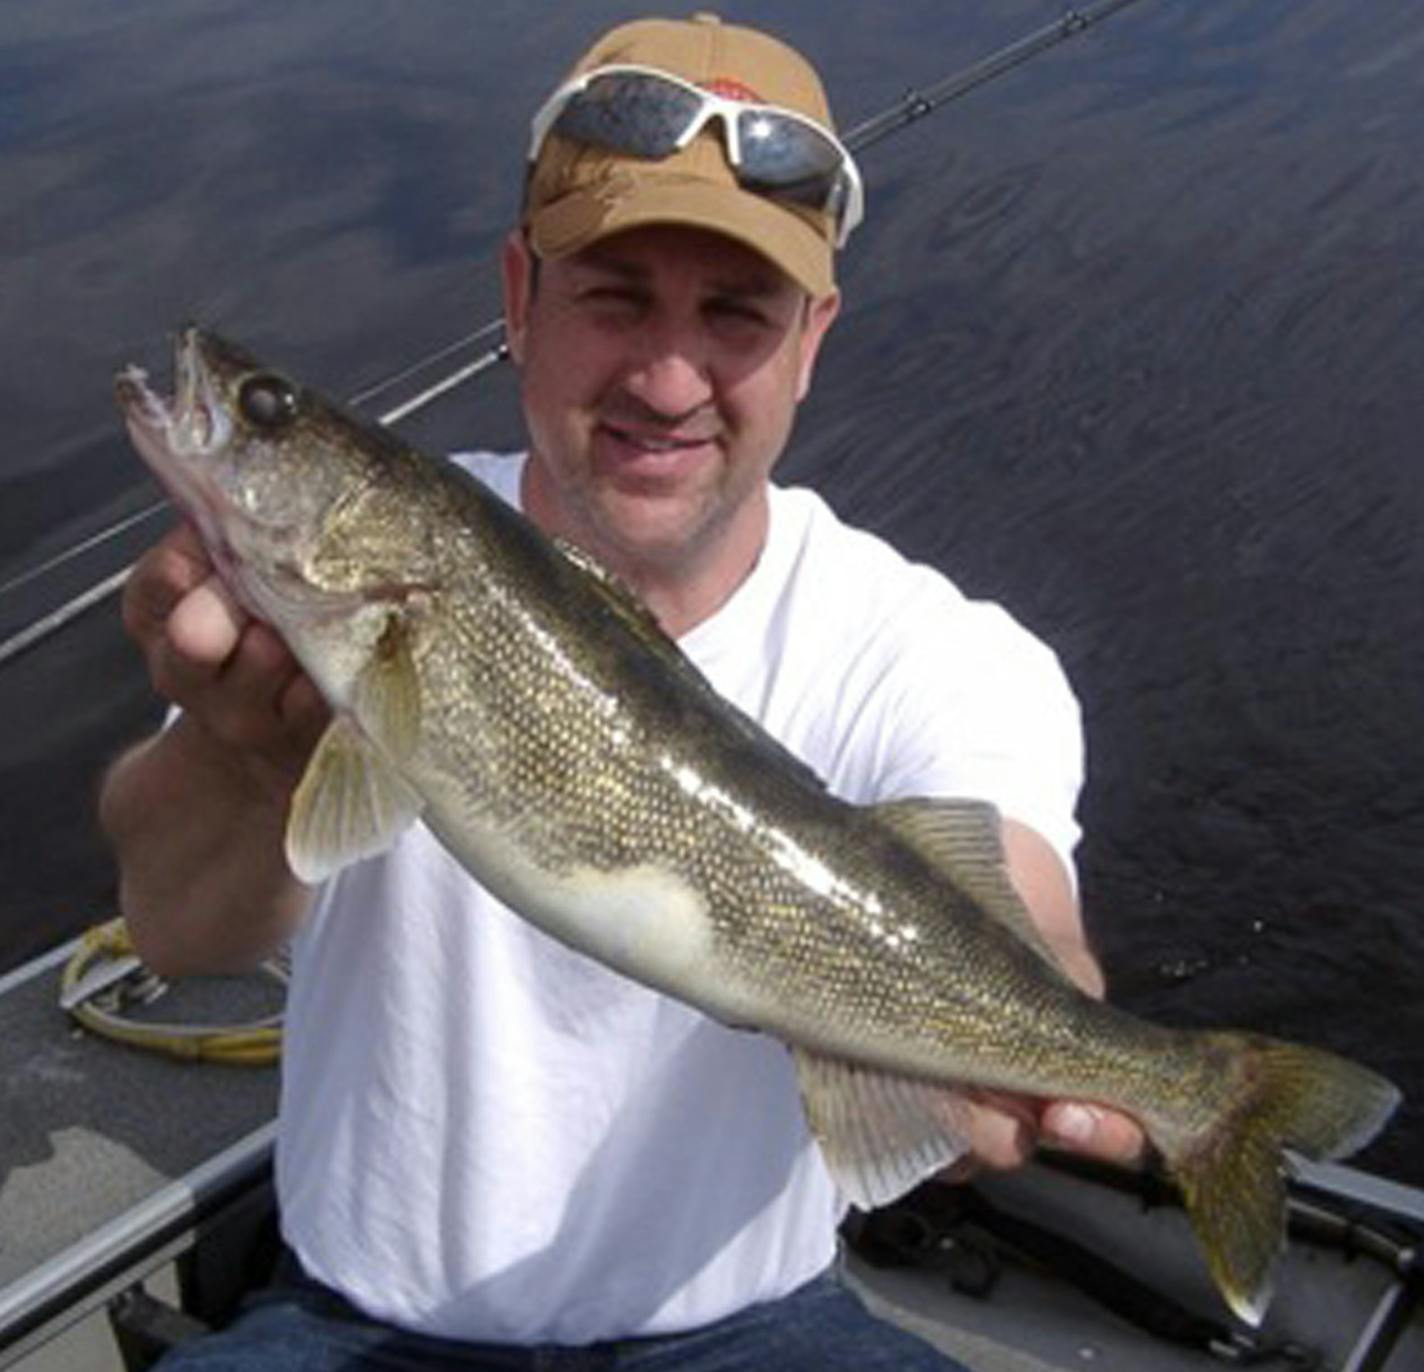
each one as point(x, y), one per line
point(680, 605)
point(683, 590)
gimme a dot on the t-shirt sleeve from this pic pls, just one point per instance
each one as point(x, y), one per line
point(977, 706)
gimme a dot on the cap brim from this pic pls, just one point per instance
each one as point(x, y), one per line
point(586, 214)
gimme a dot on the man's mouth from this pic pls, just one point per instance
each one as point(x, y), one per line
point(655, 444)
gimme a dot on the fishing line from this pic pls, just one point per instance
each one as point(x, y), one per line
point(911, 107)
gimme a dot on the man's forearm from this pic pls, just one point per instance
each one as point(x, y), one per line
point(1043, 884)
point(198, 834)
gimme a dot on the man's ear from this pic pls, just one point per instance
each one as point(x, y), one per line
point(820, 315)
point(519, 269)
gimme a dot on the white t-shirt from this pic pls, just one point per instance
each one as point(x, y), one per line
point(486, 1136)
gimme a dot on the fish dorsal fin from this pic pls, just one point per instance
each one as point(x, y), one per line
point(963, 839)
point(880, 1135)
point(352, 800)
point(621, 598)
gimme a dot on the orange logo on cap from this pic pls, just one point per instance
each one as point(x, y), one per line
point(731, 89)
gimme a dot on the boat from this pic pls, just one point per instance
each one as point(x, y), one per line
point(137, 1204)
point(137, 1208)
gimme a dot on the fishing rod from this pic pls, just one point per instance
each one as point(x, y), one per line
point(916, 104)
point(46, 625)
point(42, 627)
point(421, 364)
point(910, 108)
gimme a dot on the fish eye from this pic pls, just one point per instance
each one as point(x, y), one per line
point(268, 400)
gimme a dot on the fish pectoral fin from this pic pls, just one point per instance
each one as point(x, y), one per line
point(880, 1135)
point(964, 840)
point(386, 694)
point(350, 804)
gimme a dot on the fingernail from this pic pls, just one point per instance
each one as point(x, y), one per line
point(1074, 1124)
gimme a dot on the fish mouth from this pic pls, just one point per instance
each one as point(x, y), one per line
point(181, 440)
point(178, 437)
point(191, 424)
point(192, 443)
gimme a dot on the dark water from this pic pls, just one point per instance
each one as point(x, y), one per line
point(1134, 342)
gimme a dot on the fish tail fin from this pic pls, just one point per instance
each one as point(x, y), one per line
point(1231, 1171)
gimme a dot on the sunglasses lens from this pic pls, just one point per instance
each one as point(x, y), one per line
point(628, 113)
point(790, 160)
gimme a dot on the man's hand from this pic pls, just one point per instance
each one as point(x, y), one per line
point(229, 672)
point(197, 812)
point(1004, 1129)
point(1092, 1131)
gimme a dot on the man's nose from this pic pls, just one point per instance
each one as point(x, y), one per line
point(671, 376)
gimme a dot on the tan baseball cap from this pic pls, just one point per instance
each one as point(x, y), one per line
point(577, 194)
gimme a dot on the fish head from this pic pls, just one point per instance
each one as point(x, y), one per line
point(262, 466)
point(243, 450)
point(319, 521)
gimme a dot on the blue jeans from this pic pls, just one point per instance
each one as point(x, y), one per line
point(300, 1326)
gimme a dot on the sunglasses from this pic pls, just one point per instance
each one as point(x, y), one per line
point(648, 113)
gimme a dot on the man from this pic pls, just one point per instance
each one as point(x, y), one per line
point(494, 1152)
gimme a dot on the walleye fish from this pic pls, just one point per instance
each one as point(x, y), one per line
point(513, 696)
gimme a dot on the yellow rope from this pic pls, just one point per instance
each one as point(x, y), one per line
point(257, 1045)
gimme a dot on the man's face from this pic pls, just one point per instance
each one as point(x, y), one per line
point(661, 371)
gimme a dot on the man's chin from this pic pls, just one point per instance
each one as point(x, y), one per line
point(647, 524)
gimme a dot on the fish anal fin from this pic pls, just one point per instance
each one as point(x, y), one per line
point(880, 1134)
point(349, 804)
point(963, 839)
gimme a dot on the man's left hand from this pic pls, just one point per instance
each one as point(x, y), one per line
point(1006, 1131)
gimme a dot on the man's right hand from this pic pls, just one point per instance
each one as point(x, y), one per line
point(206, 654)
point(197, 813)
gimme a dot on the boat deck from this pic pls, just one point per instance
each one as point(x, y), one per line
point(114, 1162)
point(1332, 1298)
point(108, 1154)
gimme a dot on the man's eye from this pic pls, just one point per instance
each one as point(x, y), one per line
point(616, 296)
point(737, 312)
